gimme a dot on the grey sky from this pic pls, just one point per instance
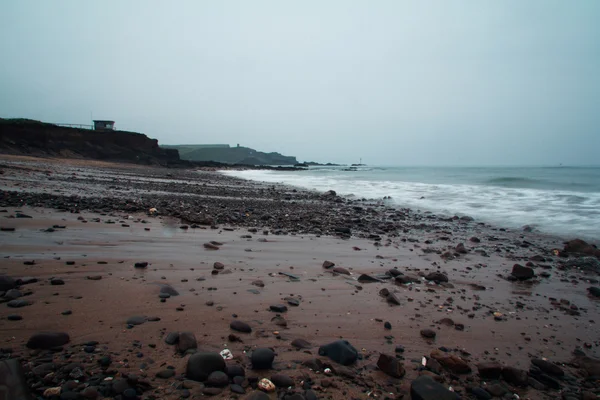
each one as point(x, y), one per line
point(394, 82)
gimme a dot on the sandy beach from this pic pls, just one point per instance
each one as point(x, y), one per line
point(439, 295)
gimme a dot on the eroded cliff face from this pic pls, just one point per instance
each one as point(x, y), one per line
point(27, 137)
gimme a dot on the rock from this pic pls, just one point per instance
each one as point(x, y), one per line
point(279, 321)
point(548, 367)
point(328, 264)
point(94, 277)
point(51, 392)
point(481, 394)
point(48, 340)
point(406, 279)
point(340, 351)
point(7, 283)
point(13, 294)
point(581, 247)
point(292, 301)
point(392, 299)
point(425, 388)
point(594, 291)
point(211, 391)
point(14, 317)
point(266, 385)
point(187, 341)
point(428, 333)
point(436, 277)
point(172, 338)
point(165, 373)
point(168, 289)
point(344, 230)
point(489, 370)
point(218, 265)
point(515, 376)
point(461, 249)
point(258, 283)
point(142, 264)
point(57, 282)
point(364, 278)
point(262, 358)
point(282, 381)
point(301, 344)
point(257, 395)
point(235, 370)
point(522, 273)
point(211, 246)
point(235, 388)
point(217, 379)
point(391, 366)
point(451, 362)
point(90, 392)
point(136, 320)
point(240, 326)
point(340, 270)
point(279, 308)
point(18, 303)
point(387, 325)
point(202, 364)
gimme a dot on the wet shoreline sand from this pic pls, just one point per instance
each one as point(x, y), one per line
point(530, 320)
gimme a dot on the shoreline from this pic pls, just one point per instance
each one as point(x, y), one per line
point(536, 317)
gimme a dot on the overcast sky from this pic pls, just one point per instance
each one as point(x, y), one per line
point(394, 82)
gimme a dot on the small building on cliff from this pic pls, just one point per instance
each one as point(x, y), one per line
point(102, 125)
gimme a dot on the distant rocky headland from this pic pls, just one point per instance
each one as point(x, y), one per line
point(39, 139)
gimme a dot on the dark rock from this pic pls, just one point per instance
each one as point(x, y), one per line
point(480, 394)
point(387, 325)
point(218, 265)
point(522, 273)
point(212, 391)
point(548, 367)
point(489, 370)
point(391, 366)
point(428, 333)
point(57, 282)
point(515, 376)
point(451, 362)
point(187, 341)
point(142, 264)
point(292, 301)
point(340, 351)
point(581, 247)
point(594, 291)
point(136, 320)
point(392, 299)
point(547, 380)
point(7, 283)
point(262, 358)
point(168, 289)
point(364, 278)
point(340, 270)
point(406, 279)
point(425, 388)
point(280, 308)
point(165, 373)
point(211, 246)
point(436, 277)
point(235, 370)
point(282, 381)
point(461, 249)
point(235, 388)
point(257, 395)
point(47, 340)
point(217, 379)
point(14, 317)
point(202, 364)
point(301, 344)
point(240, 326)
point(13, 294)
point(328, 264)
point(18, 303)
point(172, 338)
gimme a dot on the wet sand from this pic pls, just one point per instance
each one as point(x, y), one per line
point(530, 321)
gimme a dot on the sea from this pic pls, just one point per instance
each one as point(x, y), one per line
point(563, 201)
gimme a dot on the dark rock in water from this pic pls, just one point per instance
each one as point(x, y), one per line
point(489, 370)
point(18, 303)
point(282, 381)
point(522, 273)
point(240, 326)
point(257, 395)
point(581, 247)
point(168, 289)
point(201, 365)
point(235, 370)
point(328, 264)
point(428, 333)
point(391, 366)
point(340, 351)
point(142, 264)
point(187, 341)
point(136, 320)
point(515, 376)
point(217, 379)
point(280, 308)
point(364, 278)
point(7, 283)
point(172, 338)
point(57, 282)
point(425, 388)
point(340, 270)
point(165, 373)
point(262, 358)
point(548, 367)
point(301, 344)
point(594, 291)
point(437, 277)
point(47, 340)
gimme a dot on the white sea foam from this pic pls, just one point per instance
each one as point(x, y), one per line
point(561, 212)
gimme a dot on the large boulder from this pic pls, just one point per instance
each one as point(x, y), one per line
point(201, 365)
point(48, 340)
point(425, 388)
point(340, 351)
point(581, 247)
point(262, 358)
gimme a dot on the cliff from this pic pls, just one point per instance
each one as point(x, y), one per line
point(34, 138)
point(231, 155)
